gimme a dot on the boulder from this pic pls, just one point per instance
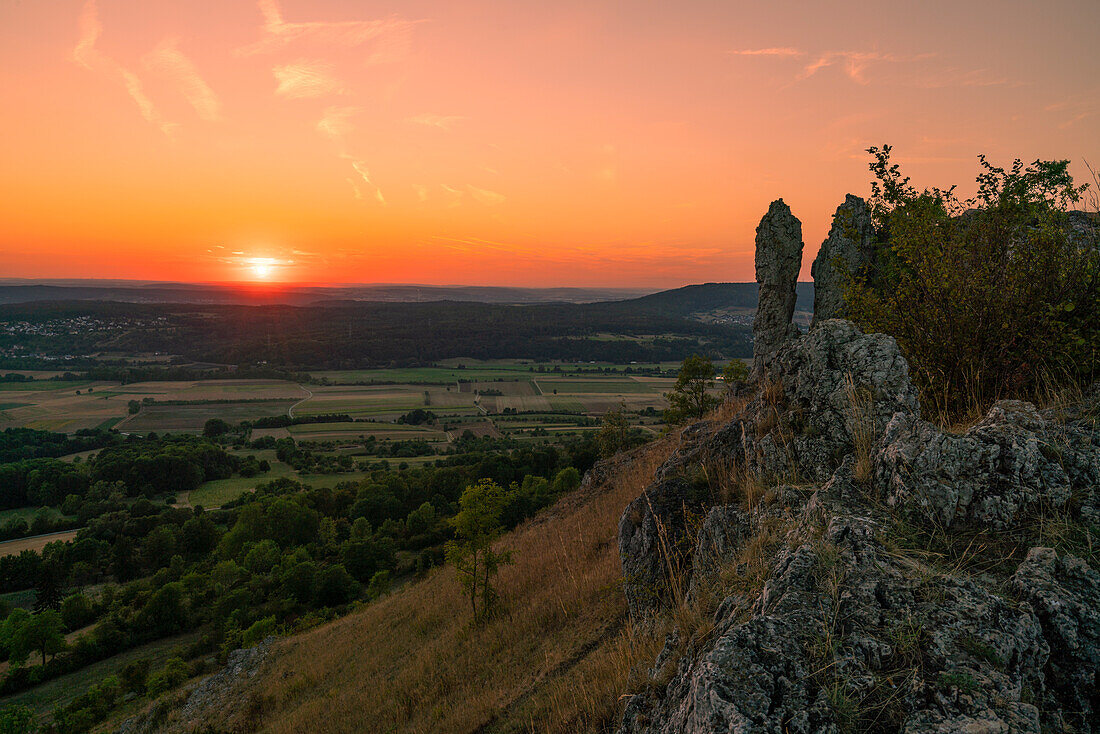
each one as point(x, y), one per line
point(843, 634)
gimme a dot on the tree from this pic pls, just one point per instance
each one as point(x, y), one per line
point(16, 719)
point(477, 525)
point(993, 297)
point(690, 397)
point(614, 429)
point(34, 633)
point(735, 372)
point(215, 427)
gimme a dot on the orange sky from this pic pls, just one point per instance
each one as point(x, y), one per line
point(506, 143)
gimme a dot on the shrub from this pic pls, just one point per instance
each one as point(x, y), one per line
point(171, 675)
point(258, 631)
point(993, 297)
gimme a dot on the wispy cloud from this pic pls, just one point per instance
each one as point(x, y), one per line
point(87, 55)
point(853, 63)
point(278, 32)
point(857, 64)
point(361, 168)
point(778, 51)
point(306, 78)
point(443, 122)
point(168, 59)
point(335, 124)
point(484, 196)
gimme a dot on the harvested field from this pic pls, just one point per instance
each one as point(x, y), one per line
point(35, 542)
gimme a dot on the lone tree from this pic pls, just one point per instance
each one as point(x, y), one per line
point(614, 432)
point(690, 398)
point(477, 525)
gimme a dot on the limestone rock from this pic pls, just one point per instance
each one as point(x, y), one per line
point(848, 249)
point(1065, 595)
point(652, 539)
point(801, 421)
point(1013, 460)
point(778, 260)
point(837, 621)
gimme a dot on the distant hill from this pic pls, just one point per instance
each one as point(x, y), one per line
point(19, 291)
point(710, 296)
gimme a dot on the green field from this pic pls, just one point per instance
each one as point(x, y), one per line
point(191, 418)
point(42, 385)
point(29, 513)
point(610, 386)
point(58, 692)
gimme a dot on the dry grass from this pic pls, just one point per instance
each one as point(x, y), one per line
point(861, 423)
point(556, 659)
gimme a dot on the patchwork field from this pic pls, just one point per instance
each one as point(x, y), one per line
point(71, 406)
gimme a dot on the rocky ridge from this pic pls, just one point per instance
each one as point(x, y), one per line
point(860, 569)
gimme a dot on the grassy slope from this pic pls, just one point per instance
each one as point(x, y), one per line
point(557, 659)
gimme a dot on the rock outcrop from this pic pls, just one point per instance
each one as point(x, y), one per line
point(778, 260)
point(817, 396)
point(1013, 461)
point(820, 520)
point(1064, 593)
point(847, 250)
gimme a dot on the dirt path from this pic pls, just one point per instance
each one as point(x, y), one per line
point(290, 410)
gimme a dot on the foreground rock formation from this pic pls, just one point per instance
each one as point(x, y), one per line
point(847, 250)
point(852, 567)
point(778, 259)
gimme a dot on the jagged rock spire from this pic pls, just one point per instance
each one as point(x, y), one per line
point(848, 249)
point(778, 260)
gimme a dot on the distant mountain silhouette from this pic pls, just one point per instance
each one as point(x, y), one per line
point(709, 297)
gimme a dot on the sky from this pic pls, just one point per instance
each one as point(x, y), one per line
point(509, 142)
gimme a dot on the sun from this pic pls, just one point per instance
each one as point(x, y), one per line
point(262, 267)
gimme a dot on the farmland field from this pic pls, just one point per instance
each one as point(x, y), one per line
point(29, 513)
point(190, 418)
point(613, 386)
point(35, 542)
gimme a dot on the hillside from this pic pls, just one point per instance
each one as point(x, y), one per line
point(562, 650)
point(825, 560)
point(709, 297)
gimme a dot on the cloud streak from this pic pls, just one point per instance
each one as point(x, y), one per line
point(277, 32)
point(443, 122)
point(168, 59)
point(90, 57)
point(335, 124)
point(306, 78)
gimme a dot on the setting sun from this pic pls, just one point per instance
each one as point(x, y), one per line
point(262, 267)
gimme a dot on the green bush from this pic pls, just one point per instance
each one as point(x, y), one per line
point(993, 297)
point(258, 631)
point(171, 675)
